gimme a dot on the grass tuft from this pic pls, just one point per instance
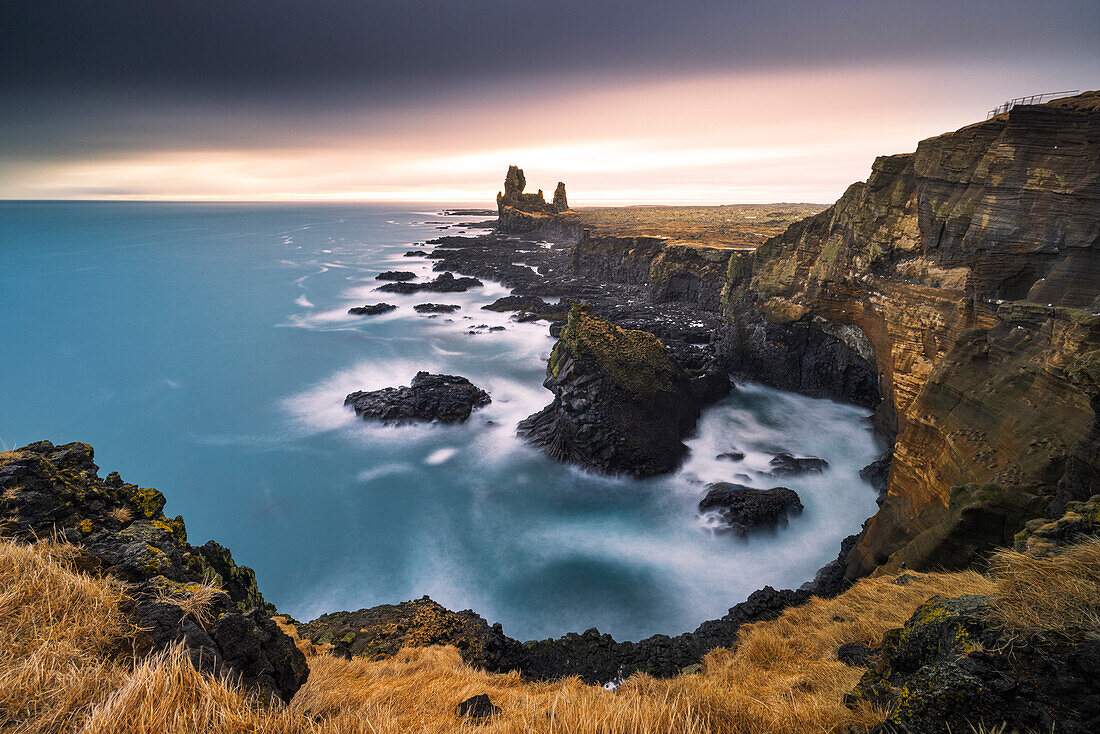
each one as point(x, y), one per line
point(1056, 597)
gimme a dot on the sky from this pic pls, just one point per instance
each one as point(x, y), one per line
point(627, 102)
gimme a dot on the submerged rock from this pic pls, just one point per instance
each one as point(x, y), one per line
point(745, 508)
point(444, 283)
point(395, 275)
point(621, 403)
point(436, 307)
point(442, 398)
point(371, 309)
point(731, 456)
point(786, 465)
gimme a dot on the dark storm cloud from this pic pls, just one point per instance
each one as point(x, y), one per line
point(227, 47)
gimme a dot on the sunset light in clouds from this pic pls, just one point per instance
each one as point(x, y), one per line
point(670, 128)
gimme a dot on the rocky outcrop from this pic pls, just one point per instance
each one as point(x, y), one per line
point(429, 398)
point(950, 669)
point(372, 309)
point(443, 283)
point(744, 509)
point(523, 213)
point(55, 491)
point(968, 274)
point(396, 275)
point(379, 632)
point(786, 465)
point(621, 402)
point(436, 307)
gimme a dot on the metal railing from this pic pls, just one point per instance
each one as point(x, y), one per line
point(1033, 99)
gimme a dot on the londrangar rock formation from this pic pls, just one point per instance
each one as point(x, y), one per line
point(969, 272)
point(520, 213)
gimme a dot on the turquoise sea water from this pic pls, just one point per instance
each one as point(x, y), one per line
point(206, 350)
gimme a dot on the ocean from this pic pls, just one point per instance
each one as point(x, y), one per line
point(206, 349)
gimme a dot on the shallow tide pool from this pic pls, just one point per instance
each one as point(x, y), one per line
point(206, 350)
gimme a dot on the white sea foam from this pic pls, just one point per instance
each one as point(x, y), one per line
point(440, 456)
point(303, 301)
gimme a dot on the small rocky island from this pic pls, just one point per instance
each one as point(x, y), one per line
point(621, 402)
point(430, 398)
point(744, 509)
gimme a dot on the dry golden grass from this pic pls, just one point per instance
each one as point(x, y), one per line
point(6, 456)
point(731, 225)
point(1055, 597)
point(58, 632)
point(59, 672)
point(121, 514)
point(194, 600)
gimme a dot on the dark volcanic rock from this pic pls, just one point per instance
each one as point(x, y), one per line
point(436, 307)
point(477, 707)
point(744, 508)
point(444, 283)
point(371, 309)
point(950, 669)
point(395, 275)
point(415, 253)
point(122, 531)
point(731, 456)
point(532, 304)
point(442, 398)
point(383, 630)
point(786, 465)
point(621, 403)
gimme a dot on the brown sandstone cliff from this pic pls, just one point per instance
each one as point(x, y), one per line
point(972, 267)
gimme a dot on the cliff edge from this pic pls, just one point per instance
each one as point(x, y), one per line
point(971, 271)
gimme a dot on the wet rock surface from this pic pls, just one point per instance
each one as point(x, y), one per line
point(436, 307)
point(123, 531)
point(371, 309)
point(786, 465)
point(398, 275)
point(443, 283)
point(440, 398)
point(744, 509)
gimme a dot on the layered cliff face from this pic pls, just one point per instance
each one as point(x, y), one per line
point(972, 271)
point(522, 213)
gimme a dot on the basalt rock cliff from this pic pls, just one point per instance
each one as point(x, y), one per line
point(51, 491)
point(968, 274)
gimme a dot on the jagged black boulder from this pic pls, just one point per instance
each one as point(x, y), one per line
point(444, 283)
point(436, 307)
point(441, 398)
point(371, 309)
point(477, 707)
point(395, 275)
point(745, 508)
